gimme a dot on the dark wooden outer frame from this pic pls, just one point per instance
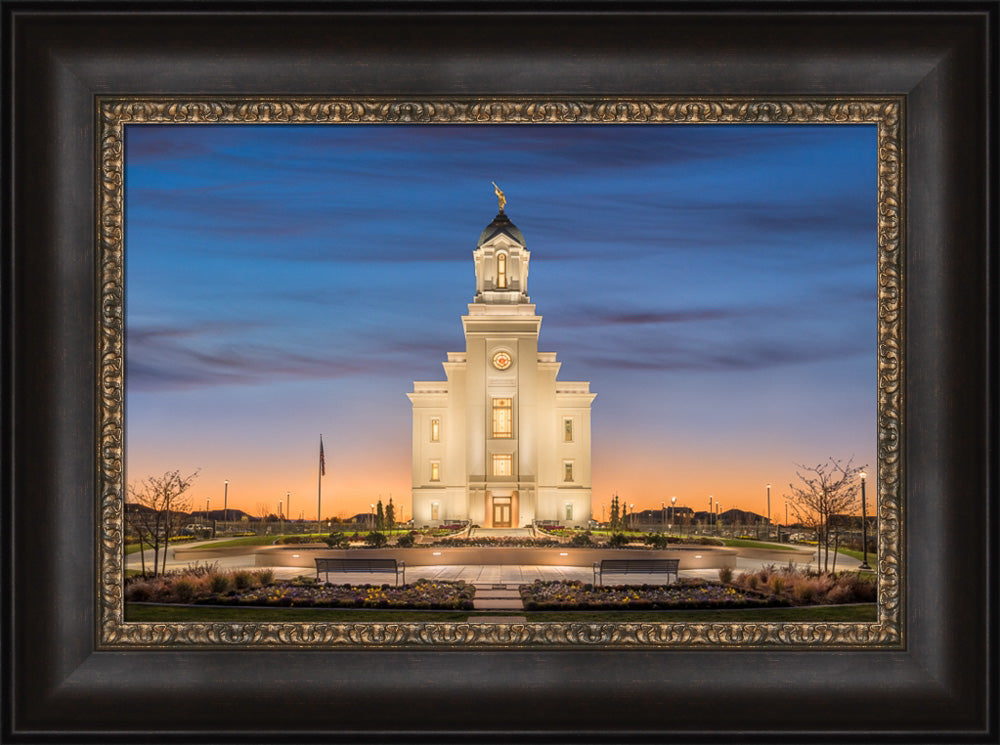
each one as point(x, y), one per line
point(59, 58)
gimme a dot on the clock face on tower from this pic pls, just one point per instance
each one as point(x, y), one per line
point(501, 360)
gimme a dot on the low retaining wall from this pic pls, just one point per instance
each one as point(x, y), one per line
point(691, 557)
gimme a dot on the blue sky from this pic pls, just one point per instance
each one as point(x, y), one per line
point(716, 284)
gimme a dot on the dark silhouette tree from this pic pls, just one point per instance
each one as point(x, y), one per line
point(158, 503)
point(826, 489)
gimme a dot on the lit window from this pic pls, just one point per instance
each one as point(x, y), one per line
point(503, 422)
point(435, 471)
point(503, 465)
point(568, 470)
point(502, 270)
point(435, 430)
point(568, 429)
point(434, 511)
point(569, 510)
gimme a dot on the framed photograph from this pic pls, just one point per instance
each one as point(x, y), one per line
point(182, 225)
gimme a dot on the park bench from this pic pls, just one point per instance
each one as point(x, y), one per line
point(371, 566)
point(635, 566)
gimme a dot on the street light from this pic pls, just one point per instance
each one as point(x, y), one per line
point(711, 511)
point(864, 526)
point(225, 501)
point(372, 521)
point(631, 510)
point(663, 515)
point(673, 511)
point(768, 510)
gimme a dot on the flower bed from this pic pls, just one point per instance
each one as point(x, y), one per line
point(487, 541)
point(422, 594)
point(206, 585)
point(686, 594)
point(805, 587)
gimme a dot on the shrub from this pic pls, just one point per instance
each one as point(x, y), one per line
point(185, 590)
point(336, 540)
point(198, 569)
point(376, 539)
point(296, 539)
point(805, 589)
point(265, 576)
point(138, 592)
point(725, 575)
point(777, 584)
point(656, 540)
point(242, 579)
point(581, 539)
point(840, 594)
point(220, 583)
point(617, 540)
point(405, 541)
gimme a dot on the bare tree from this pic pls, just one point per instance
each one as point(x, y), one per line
point(826, 489)
point(157, 504)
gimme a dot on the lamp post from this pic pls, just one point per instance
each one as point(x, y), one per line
point(768, 510)
point(711, 512)
point(663, 515)
point(673, 511)
point(281, 516)
point(371, 522)
point(631, 510)
point(864, 526)
point(225, 502)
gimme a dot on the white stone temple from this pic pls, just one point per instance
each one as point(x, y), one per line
point(501, 441)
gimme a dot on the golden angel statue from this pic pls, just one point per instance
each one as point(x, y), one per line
point(500, 197)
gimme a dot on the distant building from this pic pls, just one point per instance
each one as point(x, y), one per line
point(501, 441)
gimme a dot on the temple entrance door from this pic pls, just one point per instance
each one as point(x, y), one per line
point(501, 512)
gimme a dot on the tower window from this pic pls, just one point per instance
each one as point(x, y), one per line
point(568, 429)
point(503, 465)
point(569, 510)
point(435, 471)
point(503, 417)
point(435, 430)
point(435, 511)
point(502, 271)
point(567, 470)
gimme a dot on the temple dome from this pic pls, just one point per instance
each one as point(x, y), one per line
point(501, 224)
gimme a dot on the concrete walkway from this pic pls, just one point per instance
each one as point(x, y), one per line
point(484, 576)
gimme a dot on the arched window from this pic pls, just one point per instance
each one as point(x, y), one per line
point(502, 271)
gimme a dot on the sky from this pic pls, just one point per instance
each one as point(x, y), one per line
point(716, 284)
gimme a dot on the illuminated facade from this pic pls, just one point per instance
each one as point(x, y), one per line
point(501, 442)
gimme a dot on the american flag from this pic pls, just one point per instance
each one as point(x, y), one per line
point(322, 458)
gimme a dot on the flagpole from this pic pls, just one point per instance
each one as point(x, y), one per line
point(319, 489)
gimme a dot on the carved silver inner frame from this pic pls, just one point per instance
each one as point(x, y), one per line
point(114, 113)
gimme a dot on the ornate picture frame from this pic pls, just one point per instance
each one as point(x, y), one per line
point(114, 114)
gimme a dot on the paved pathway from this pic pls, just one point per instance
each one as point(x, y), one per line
point(483, 576)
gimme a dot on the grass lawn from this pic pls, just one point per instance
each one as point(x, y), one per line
point(744, 543)
point(828, 613)
point(858, 555)
point(247, 540)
